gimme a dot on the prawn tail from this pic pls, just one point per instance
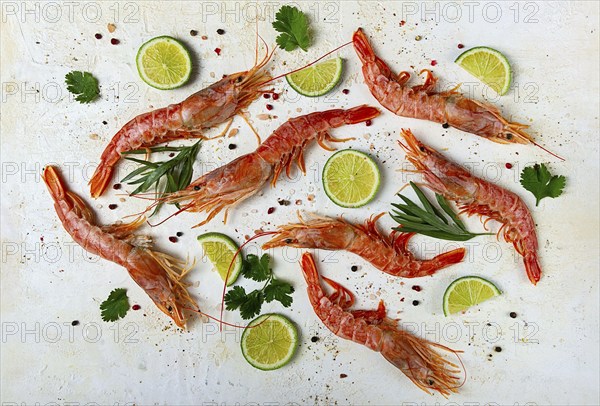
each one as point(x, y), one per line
point(446, 259)
point(60, 193)
point(100, 179)
point(532, 266)
point(360, 114)
point(422, 362)
point(363, 46)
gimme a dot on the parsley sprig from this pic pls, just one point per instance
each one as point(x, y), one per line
point(539, 181)
point(177, 171)
point(429, 220)
point(115, 306)
point(84, 85)
point(259, 270)
point(293, 26)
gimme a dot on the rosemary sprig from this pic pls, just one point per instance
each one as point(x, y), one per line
point(429, 220)
point(176, 172)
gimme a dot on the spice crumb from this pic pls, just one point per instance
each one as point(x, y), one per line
point(415, 302)
point(111, 27)
point(271, 210)
point(343, 376)
point(112, 206)
point(179, 234)
point(136, 307)
point(75, 323)
point(345, 91)
point(218, 51)
point(98, 36)
point(232, 146)
point(508, 165)
point(354, 268)
point(115, 41)
point(193, 33)
point(173, 239)
point(220, 31)
point(416, 288)
point(314, 339)
point(498, 349)
point(513, 315)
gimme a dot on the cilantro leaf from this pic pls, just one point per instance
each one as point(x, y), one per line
point(255, 268)
point(293, 26)
point(280, 291)
point(235, 298)
point(251, 307)
point(541, 183)
point(82, 84)
point(115, 306)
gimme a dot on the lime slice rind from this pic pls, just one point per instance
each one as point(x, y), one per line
point(317, 80)
point(466, 292)
point(220, 250)
point(164, 63)
point(351, 178)
point(269, 342)
point(488, 65)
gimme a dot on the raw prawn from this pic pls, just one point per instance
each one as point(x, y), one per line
point(423, 102)
point(389, 254)
point(158, 274)
point(477, 196)
point(243, 177)
point(420, 360)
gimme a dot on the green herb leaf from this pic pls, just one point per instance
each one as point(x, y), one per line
point(115, 306)
point(249, 304)
point(293, 26)
point(430, 221)
point(163, 176)
point(84, 85)
point(280, 291)
point(255, 268)
point(541, 183)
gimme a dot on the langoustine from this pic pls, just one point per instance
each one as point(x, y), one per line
point(419, 359)
point(477, 196)
point(244, 176)
point(158, 274)
point(211, 106)
point(423, 102)
point(389, 254)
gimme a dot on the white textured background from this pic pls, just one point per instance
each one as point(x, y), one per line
point(550, 351)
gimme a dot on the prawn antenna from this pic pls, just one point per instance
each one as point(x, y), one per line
point(548, 151)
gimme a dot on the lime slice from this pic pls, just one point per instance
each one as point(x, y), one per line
point(489, 66)
point(269, 342)
point(351, 178)
point(220, 250)
point(164, 63)
point(466, 292)
point(318, 79)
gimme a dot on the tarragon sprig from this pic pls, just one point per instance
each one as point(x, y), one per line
point(177, 171)
point(429, 220)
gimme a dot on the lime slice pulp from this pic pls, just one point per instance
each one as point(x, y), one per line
point(164, 63)
point(318, 79)
point(466, 292)
point(220, 250)
point(269, 341)
point(351, 178)
point(489, 66)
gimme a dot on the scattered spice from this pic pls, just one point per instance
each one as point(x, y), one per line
point(314, 339)
point(115, 41)
point(460, 46)
point(275, 96)
point(513, 315)
point(218, 51)
point(416, 288)
point(267, 96)
point(418, 38)
point(283, 202)
point(173, 239)
point(232, 146)
point(508, 165)
point(498, 349)
point(415, 302)
point(298, 202)
point(402, 23)
point(433, 63)
point(111, 27)
point(233, 132)
point(269, 107)
point(98, 36)
point(112, 206)
point(179, 234)
point(75, 323)
point(368, 123)
point(445, 125)
point(354, 268)
point(271, 210)
point(204, 37)
point(345, 91)
point(310, 197)
point(343, 376)
point(136, 307)
point(104, 122)
point(117, 186)
point(220, 31)
point(193, 33)
point(172, 154)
